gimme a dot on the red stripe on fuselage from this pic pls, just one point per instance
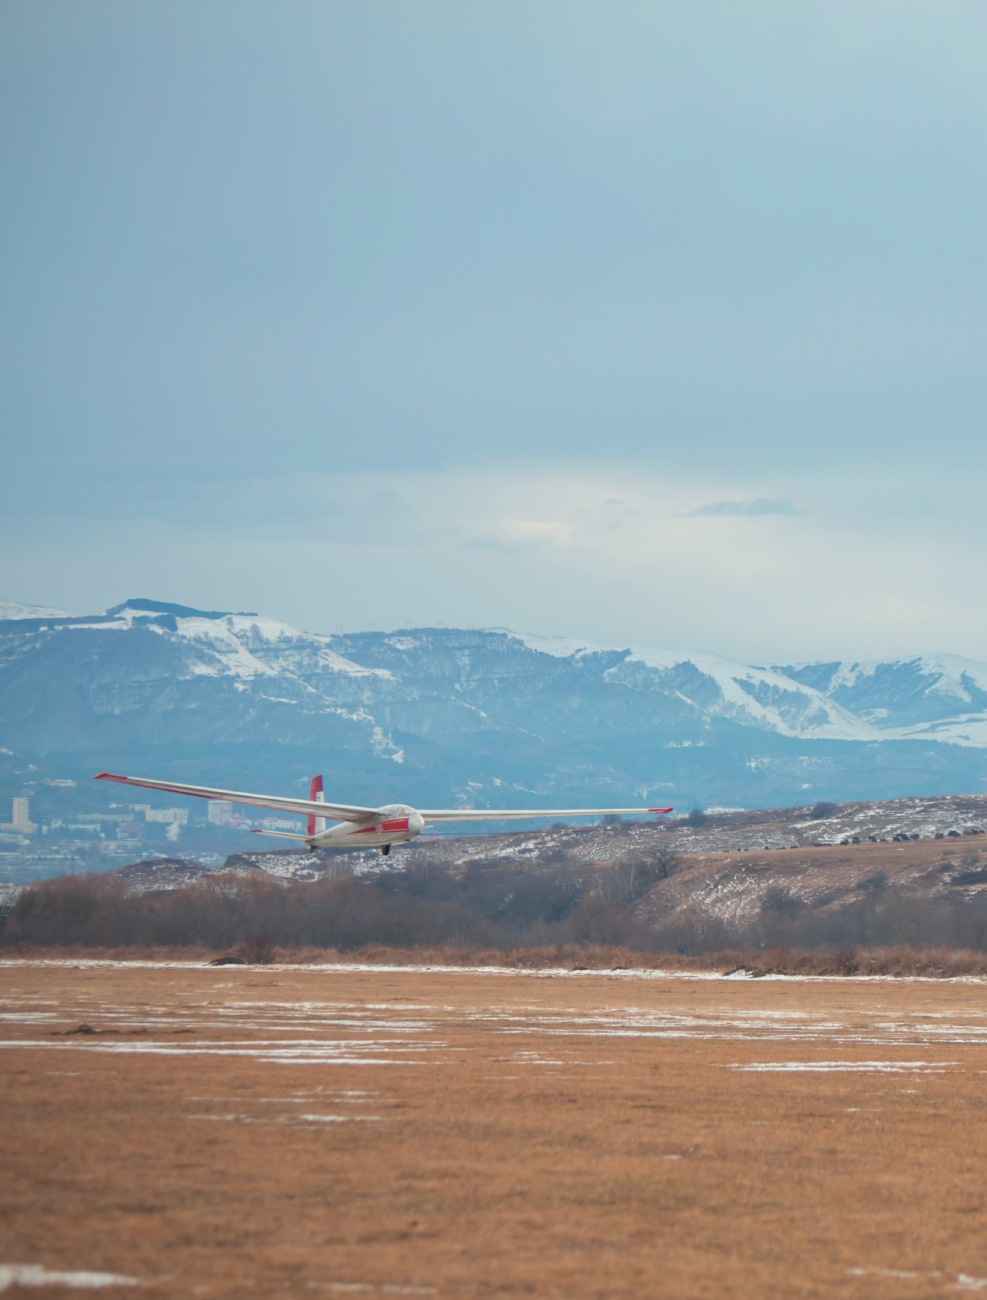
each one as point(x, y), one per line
point(383, 828)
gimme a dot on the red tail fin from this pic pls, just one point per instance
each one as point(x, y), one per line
point(314, 795)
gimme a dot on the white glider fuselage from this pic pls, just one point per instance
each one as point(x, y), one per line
point(396, 824)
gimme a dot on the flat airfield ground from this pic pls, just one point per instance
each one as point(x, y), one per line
point(282, 1131)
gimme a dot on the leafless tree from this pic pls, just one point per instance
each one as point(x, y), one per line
point(667, 860)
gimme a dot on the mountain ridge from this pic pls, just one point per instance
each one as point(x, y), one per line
point(474, 714)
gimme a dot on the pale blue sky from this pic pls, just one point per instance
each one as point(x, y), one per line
point(645, 322)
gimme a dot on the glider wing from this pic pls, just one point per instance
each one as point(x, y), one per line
point(529, 814)
point(300, 807)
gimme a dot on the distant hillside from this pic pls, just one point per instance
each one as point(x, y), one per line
point(902, 872)
point(490, 718)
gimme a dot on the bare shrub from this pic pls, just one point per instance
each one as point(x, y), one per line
point(775, 961)
point(627, 881)
point(553, 856)
point(257, 950)
point(823, 810)
point(667, 861)
point(847, 961)
point(781, 900)
point(595, 921)
point(693, 932)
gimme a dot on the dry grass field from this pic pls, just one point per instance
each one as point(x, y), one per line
point(357, 1131)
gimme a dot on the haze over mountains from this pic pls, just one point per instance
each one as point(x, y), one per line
point(486, 717)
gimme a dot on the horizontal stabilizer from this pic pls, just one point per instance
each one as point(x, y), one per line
point(280, 835)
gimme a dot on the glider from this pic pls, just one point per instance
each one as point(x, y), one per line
point(361, 828)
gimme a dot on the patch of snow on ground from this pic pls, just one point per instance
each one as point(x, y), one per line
point(36, 1275)
point(845, 1067)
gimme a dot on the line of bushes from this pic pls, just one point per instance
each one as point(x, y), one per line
point(490, 906)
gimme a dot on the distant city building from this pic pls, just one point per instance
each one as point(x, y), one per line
point(220, 812)
point(21, 820)
point(119, 846)
point(179, 815)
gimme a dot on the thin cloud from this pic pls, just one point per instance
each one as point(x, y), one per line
point(521, 535)
point(759, 506)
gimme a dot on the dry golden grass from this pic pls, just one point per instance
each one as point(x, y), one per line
point(566, 1134)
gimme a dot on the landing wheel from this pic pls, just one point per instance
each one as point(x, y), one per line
point(385, 849)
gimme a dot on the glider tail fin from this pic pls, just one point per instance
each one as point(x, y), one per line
point(316, 825)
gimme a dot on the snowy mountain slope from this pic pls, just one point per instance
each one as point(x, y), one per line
point(11, 609)
point(237, 645)
point(929, 697)
point(174, 674)
point(940, 697)
point(486, 716)
point(752, 696)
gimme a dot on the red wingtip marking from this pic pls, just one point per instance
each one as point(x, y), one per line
point(109, 776)
point(659, 810)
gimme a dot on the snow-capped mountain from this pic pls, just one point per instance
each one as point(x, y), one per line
point(446, 713)
point(928, 697)
point(937, 697)
point(757, 697)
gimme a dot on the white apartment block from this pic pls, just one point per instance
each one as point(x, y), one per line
point(220, 812)
point(21, 819)
point(179, 815)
